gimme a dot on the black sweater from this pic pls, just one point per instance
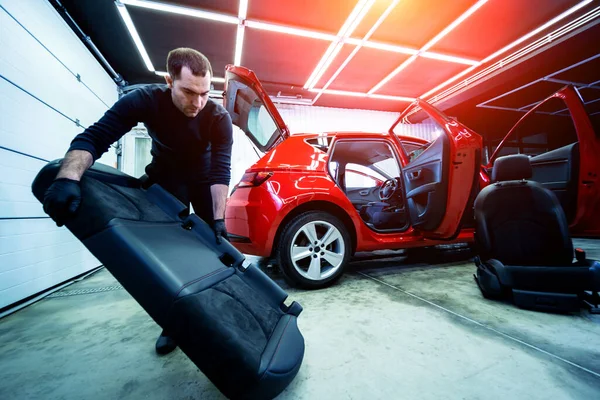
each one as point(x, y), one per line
point(188, 149)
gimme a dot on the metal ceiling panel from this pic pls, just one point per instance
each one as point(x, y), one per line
point(366, 69)
point(182, 31)
point(420, 76)
point(327, 16)
point(415, 22)
point(271, 57)
point(497, 24)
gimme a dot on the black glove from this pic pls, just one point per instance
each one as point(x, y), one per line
point(220, 230)
point(62, 199)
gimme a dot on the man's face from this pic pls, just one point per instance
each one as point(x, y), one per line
point(189, 92)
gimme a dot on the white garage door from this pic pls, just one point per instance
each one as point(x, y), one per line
point(50, 88)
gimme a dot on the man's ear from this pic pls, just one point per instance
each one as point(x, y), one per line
point(169, 81)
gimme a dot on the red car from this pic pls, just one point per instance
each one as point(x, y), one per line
point(313, 200)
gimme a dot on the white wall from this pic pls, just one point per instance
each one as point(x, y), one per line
point(43, 105)
point(313, 119)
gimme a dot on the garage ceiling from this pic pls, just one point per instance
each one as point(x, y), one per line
point(369, 54)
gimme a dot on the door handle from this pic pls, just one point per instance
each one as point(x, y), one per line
point(364, 192)
point(414, 175)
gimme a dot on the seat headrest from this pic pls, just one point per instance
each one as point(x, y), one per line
point(511, 168)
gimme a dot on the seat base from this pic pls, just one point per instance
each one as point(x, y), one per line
point(579, 286)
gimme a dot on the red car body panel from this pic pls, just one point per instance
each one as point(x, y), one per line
point(257, 212)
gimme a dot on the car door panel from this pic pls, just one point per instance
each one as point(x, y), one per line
point(362, 196)
point(426, 180)
point(440, 179)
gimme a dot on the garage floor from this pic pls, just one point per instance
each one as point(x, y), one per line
point(390, 329)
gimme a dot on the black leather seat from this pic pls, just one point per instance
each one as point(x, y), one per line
point(525, 251)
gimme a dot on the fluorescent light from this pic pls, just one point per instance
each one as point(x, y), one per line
point(355, 17)
point(537, 30)
point(429, 44)
point(393, 73)
point(396, 98)
point(215, 79)
point(243, 9)
point(357, 48)
point(239, 40)
point(445, 57)
point(568, 27)
point(385, 46)
point(449, 81)
point(239, 44)
point(454, 24)
point(291, 31)
point(327, 58)
point(135, 36)
point(361, 94)
point(340, 92)
point(191, 12)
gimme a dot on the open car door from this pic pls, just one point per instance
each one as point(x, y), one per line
point(252, 110)
point(440, 178)
point(563, 144)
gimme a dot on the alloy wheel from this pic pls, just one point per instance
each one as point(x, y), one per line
point(317, 250)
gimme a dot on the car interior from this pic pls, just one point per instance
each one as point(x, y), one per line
point(368, 173)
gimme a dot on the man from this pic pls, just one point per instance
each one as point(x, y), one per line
point(191, 146)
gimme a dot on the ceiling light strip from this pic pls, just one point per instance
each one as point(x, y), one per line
point(449, 58)
point(135, 36)
point(449, 81)
point(395, 72)
point(190, 12)
point(569, 27)
point(243, 11)
point(361, 94)
point(358, 47)
point(290, 30)
point(215, 79)
point(332, 51)
point(537, 30)
point(454, 24)
point(429, 44)
point(539, 43)
point(385, 47)
point(356, 16)
point(239, 39)
point(239, 44)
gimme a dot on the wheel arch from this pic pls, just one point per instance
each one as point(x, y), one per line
point(323, 206)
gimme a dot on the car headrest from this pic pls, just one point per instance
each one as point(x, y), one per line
point(511, 168)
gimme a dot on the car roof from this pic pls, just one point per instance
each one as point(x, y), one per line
point(356, 135)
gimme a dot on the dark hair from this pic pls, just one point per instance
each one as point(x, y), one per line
point(186, 57)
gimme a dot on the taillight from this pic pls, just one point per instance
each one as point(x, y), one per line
point(251, 179)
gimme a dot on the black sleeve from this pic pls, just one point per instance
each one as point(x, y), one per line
point(117, 121)
point(221, 139)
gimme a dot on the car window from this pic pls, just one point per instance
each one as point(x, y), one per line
point(363, 163)
point(418, 123)
point(548, 128)
point(359, 176)
point(250, 113)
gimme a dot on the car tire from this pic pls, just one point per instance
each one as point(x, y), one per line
point(318, 261)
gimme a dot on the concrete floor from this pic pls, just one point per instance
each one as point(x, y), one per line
point(390, 329)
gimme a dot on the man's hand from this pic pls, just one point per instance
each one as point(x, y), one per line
point(220, 230)
point(62, 199)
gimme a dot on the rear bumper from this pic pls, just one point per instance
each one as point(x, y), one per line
point(251, 220)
